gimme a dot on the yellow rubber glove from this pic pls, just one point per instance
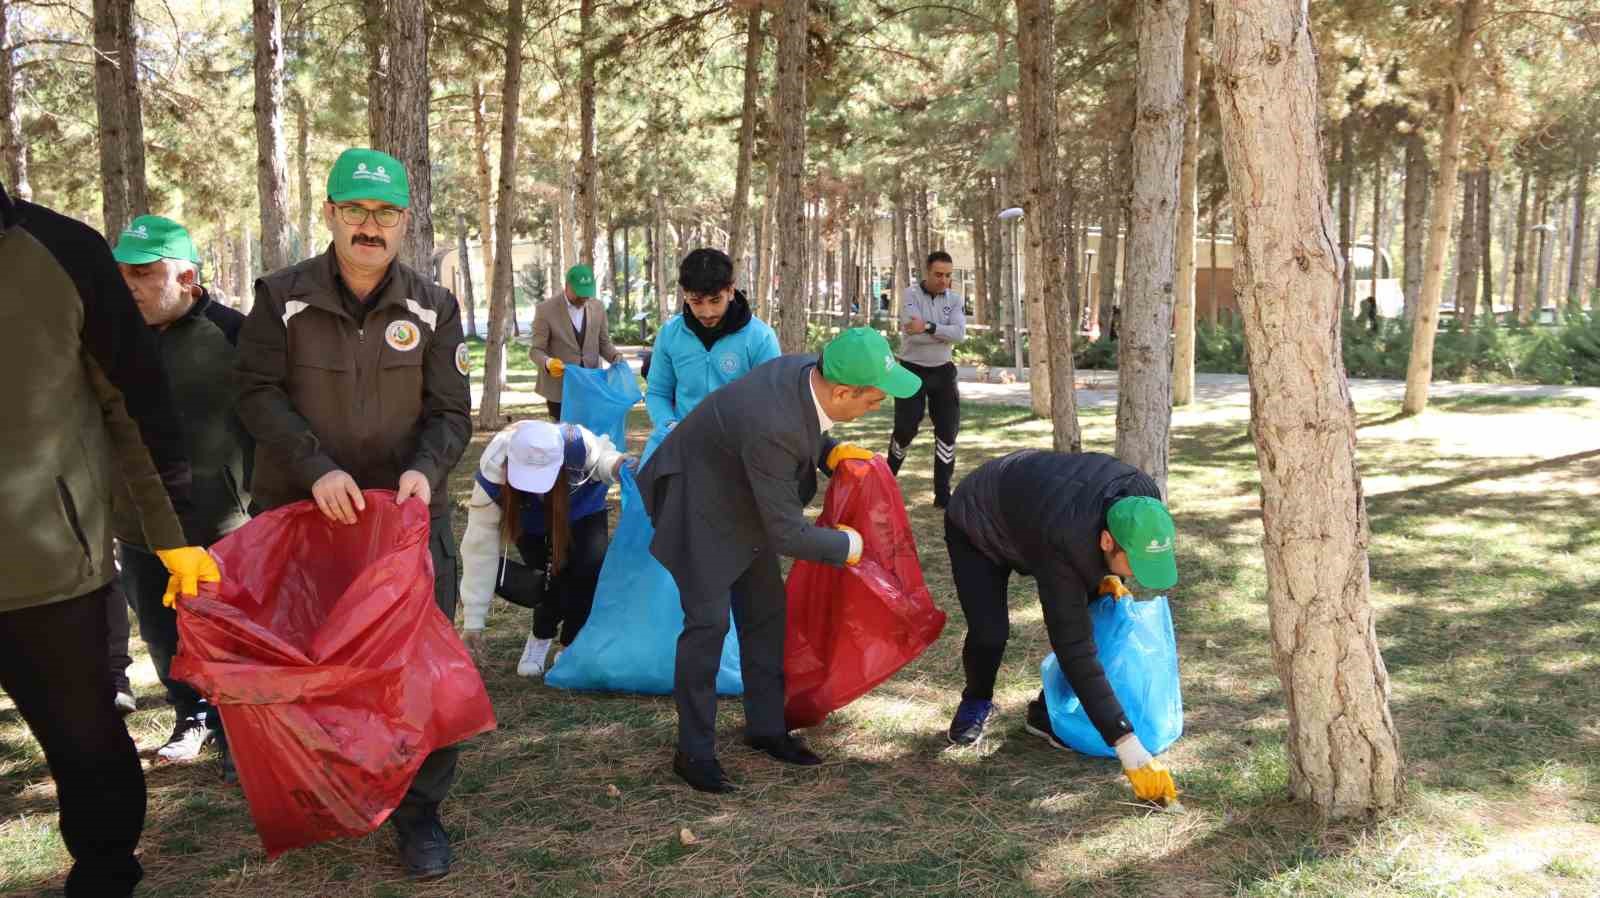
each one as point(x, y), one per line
point(1111, 585)
point(189, 566)
point(556, 367)
point(1153, 782)
point(845, 452)
point(856, 543)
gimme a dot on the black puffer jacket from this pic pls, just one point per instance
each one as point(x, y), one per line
point(1041, 513)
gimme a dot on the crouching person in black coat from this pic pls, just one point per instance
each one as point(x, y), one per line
point(1069, 520)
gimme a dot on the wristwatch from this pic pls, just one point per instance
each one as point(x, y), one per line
point(929, 329)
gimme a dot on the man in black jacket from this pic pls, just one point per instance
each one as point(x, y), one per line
point(726, 491)
point(1070, 521)
point(197, 339)
point(86, 397)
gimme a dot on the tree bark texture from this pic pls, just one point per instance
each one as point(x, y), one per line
point(747, 138)
point(500, 297)
point(1144, 348)
point(469, 304)
point(1111, 229)
point(480, 145)
point(1188, 200)
point(588, 198)
point(374, 30)
point(108, 94)
point(1467, 256)
point(1419, 370)
point(13, 152)
point(272, 167)
point(132, 112)
point(1580, 200)
point(1519, 259)
point(406, 125)
point(1485, 239)
point(790, 111)
point(1344, 754)
point(302, 120)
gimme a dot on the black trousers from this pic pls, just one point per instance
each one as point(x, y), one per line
point(144, 580)
point(118, 632)
point(555, 410)
point(760, 608)
point(939, 397)
point(570, 595)
point(438, 771)
point(53, 665)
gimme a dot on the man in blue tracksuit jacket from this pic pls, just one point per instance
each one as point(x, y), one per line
point(716, 341)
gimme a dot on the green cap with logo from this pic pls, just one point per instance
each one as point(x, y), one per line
point(151, 237)
point(1142, 526)
point(581, 279)
point(860, 357)
point(363, 174)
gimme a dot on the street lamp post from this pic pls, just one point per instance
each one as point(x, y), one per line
point(1014, 216)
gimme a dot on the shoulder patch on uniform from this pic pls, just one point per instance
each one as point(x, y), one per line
point(463, 359)
point(292, 308)
point(402, 336)
point(427, 316)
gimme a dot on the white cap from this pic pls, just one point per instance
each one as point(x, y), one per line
point(534, 459)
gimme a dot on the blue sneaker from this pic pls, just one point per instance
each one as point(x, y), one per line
point(971, 715)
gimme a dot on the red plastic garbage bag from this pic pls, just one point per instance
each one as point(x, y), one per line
point(334, 669)
point(850, 628)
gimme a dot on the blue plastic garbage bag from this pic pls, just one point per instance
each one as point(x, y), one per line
point(1140, 656)
point(600, 399)
point(630, 641)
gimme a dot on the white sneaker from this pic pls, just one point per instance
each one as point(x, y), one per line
point(125, 703)
point(532, 662)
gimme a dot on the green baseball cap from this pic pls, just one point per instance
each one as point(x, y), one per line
point(860, 357)
point(151, 237)
point(363, 174)
point(581, 279)
point(1142, 526)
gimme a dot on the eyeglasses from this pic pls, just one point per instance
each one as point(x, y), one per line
point(356, 216)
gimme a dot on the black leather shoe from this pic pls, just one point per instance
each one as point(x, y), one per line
point(704, 775)
point(424, 847)
point(786, 748)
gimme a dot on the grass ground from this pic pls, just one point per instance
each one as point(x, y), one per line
point(1484, 559)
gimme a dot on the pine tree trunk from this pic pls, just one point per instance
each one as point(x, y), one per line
point(1346, 213)
point(500, 296)
point(1215, 289)
point(588, 196)
point(480, 146)
point(302, 161)
point(999, 274)
point(1416, 210)
point(747, 134)
point(1419, 370)
point(1052, 338)
point(627, 265)
point(1519, 262)
point(1485, 241)
point(902, 275)
point(13, 152)
point(132, 113)
point(243, 268)
point(1144, 348)
point(980, 262)
point(1377, 229)
point(375, 13)
point(764, 247)
point(272, 167)
point(1188, 199)
point(1467, 256)
point(109, 100)
point(1541, 280)
point(1111, 233)
point(1344, 754)
point(571, 253)
point(469, 303)
point(1581, 199)
point(406, 128)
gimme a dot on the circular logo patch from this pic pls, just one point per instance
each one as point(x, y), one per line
point(463, 359)
point(728, 363)
point(402, 336)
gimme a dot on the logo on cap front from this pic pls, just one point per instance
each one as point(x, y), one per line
point(888, 363)
point(1157, 546)
point(137, 231)
point(363, 174)
point(402, 336)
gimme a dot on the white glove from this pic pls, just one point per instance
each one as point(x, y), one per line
point(1132, 753)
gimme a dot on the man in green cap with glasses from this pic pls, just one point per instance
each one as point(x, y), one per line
point(1077, 523)
point(726, 491)
point(570, 329)
point(198, 338)
point(353, 376)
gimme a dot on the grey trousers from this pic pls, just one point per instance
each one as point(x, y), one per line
point(759, 608)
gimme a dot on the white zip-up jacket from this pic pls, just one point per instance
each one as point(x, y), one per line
point(949, 319)
point(482, 549)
